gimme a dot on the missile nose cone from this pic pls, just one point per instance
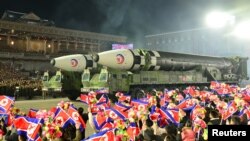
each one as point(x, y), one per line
point(75, 62)
point(53, 62)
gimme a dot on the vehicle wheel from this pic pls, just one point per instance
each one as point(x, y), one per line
point(72, 94)
point(54, 95)
point(112, 97)
point(72, 97)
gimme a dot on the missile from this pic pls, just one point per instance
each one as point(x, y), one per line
point(76, 62)
point(149, 60)
point(122, 59)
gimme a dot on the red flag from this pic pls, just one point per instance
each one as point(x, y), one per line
point(198, 124)
point(231, 109)
point(62, 118)
point(171, 115)
point(107, 135)
point(84, 98)
point(198, 111)
point(27, 126)
point(76, 117)
point(124, 97)
point(103, 99)
point(122, 109)
point(100, 120)
point(215, 85)
point(205, 95)
point(223, 91)
point(5, 103)
point(190, 90)
point(187, 104)
point(133, 131)
point(139, 105)
point(113, 114)
point(32, 113)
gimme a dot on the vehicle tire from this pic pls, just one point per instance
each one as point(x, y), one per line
point(54, 95)
point(72, 94)
point(72, 97)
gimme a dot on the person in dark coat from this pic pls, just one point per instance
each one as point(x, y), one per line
point(214, 118)
point(85, 118)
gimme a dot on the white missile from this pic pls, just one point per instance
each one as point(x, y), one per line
point(150, 60)
point(122, 59)
point(76, 62)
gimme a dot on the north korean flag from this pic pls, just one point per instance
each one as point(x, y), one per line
point(84, 98)
point(113, 114)
point(190, 90)
point(154, 113)
point(32, 113)
point(198, 124)
point(107, 135)
point(215, 85)
point(139, 105)
point(100, 121)
point(197, 111)
point(62, 118)
point(223, 91)
point(124, 97)
point(122, 109)
point(231, 109)
point(186, 104)
point(103, 99)
point(28, 127)
point(170, 114)
point(5, 103)
point(133, 130)
point(76, 117)
point(204, 95)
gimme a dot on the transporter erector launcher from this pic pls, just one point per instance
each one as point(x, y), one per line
point(138, 71)
point(149, 60)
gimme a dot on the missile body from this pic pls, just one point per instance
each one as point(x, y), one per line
point(122, 59)
point(76, 62)
point(182, 62)
point(133, 60)
point(125, 59)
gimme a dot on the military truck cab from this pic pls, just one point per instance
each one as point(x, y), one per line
point(56, 84)
point(45, 81)
point(51, 86)
point(97, 82)
point(45, 84)
point(85, 79)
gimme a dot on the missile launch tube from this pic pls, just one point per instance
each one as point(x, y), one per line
point(125, 59)
point(182, 62)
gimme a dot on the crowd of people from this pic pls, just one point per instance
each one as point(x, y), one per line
point(171, 115)
point(12, 81)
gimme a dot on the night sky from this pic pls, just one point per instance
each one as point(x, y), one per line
point(131, 18)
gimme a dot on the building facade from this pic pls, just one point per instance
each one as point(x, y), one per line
point(27, 32)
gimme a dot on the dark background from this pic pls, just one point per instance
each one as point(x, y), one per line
point(131, 18)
